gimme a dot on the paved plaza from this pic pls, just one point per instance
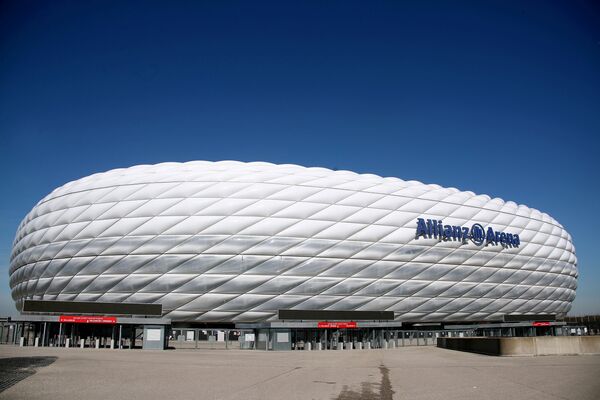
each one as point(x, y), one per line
point(403, 373)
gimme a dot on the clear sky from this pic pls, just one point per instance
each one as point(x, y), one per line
point(501, 98)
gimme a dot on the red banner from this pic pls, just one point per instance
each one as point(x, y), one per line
point(541, 324)
point(338, 325)
point(84, 319)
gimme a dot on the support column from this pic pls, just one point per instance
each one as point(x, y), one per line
point(44, 335)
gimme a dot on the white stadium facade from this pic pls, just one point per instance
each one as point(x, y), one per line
point(285, 248)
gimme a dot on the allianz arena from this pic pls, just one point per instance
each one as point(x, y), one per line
point(234, 242)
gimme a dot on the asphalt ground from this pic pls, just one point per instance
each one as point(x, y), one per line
point(403, 373)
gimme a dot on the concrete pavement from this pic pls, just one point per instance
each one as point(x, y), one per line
point(403, 373)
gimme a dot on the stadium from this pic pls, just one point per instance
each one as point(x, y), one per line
point(287, 249)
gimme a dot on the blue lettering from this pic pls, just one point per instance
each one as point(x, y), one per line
point(465, 234)
point(477, 233)
point(490, 237)
point(497, 240)
point(421, 228)
point(456, 232)
point(447, 232)
point(435, 228)
point(509, 239)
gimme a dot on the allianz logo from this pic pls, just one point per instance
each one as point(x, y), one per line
point(432, 228)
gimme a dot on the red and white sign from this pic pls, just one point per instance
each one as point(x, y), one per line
point(541, 324)
point(85, 319)
point(338, 325)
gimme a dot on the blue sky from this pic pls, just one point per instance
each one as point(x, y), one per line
point(501, 98)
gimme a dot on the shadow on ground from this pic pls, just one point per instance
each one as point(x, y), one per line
point(385, 391)
point(14, 370)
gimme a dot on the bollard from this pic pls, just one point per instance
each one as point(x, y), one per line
point(349, 346)
point(22, 342)
point(384, 345)
point(37, 342)
point(67, 343)
point(319, 346)
point(308, 346)
point(112, 343)
point(82, 343)
point(359, 346)
point(97, 343)
point(392, 344)
point(368, 346)
point(340, 346)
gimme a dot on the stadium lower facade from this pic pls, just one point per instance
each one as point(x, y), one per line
point(258, 244)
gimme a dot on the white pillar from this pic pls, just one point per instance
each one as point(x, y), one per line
point(385, 344)
point(82, 343)
point(308, 346)
point(319, 346)
point(340, 346)
point(349, 346)
point(37, 342)
point(97, 343)
point(22, 342)
point(67, 342)
point(368, 346)
point(112, 343)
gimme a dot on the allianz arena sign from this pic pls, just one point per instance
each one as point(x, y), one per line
point(436, 229)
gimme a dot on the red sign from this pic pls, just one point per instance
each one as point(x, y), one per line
point(84, 319)
point(339, 325)
point(541, 324)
